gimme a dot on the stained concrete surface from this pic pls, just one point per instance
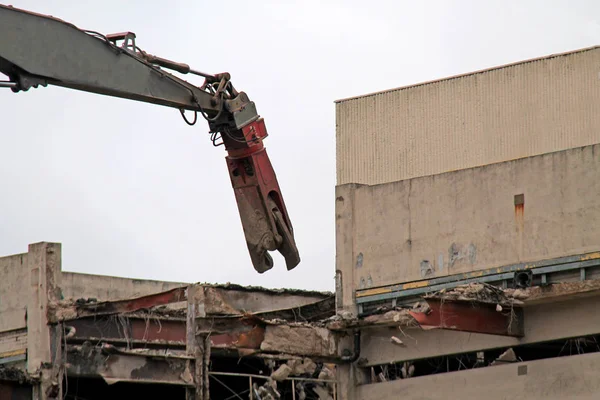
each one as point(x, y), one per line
point(468, 220)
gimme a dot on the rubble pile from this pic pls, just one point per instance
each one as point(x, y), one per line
point(397, 316)
point(268, 391)
point(11, 374)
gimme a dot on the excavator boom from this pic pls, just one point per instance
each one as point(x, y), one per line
point(39, 50)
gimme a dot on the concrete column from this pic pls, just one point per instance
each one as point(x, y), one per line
point(197, 346)
point(43, 264)
point(344, 241)
point(43, 347)
point(349, 377)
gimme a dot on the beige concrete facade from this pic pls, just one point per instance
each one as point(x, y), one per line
point(490, 169)
point(467, 220)
point(505, 113)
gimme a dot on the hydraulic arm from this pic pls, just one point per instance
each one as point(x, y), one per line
point(39, 50)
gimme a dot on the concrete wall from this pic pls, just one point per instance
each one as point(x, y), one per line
point(105, 288)
point(14, 278)
point(467, 220)
point(573, 377)
point(29, 281)
point(501, 114)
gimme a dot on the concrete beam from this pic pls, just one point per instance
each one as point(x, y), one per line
point(116, 366)
point(248, 336)
point(240, 300)
point(544, 322)
point(573, 377)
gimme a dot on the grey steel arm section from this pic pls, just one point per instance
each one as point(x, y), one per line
point(39, 50)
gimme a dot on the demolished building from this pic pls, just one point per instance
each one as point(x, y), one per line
point(62, 335)
point(467, 265)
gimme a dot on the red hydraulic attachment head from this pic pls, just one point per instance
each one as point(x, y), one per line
point(265, 220)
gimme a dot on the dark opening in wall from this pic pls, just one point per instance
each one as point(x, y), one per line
point(519, 199)
point(482, 359)
point(229, 387)
point(10, 390)
point(232, 386)
point(97, 389)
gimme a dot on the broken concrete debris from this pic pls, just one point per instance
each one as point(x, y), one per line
point(267, 391)
point(407, 370)
point(507, 357)
point(17, 375)
point(281, 373)
point(397, 341)
point(322, 374)
point(305, 367)
point(482, 293)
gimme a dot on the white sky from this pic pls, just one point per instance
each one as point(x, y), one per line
point(130, 190)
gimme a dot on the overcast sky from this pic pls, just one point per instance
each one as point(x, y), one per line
point(130, 190)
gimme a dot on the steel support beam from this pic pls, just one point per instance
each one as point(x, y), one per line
point(418, 288)
point(163, 332)
point(471, 317)
point(122, 328)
